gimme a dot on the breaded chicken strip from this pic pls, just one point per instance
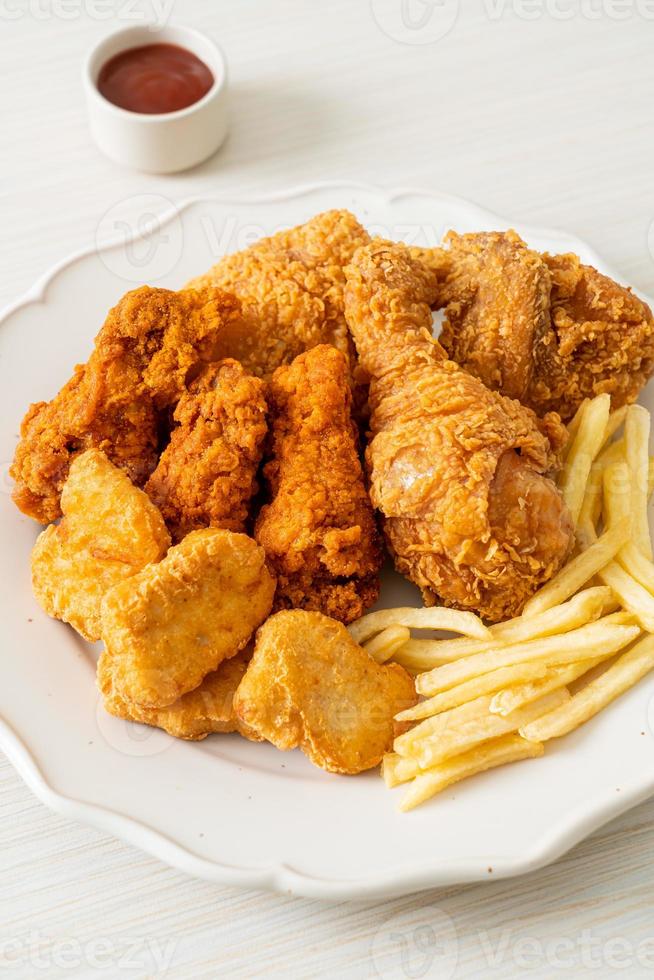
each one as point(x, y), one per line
point(207, 710)
point(206, 475)
point(456, 470)
point(310, 685)
point(542, 328)
point(110, 531)
point(175, 622)
point(318, 531)
point(291, 286)
point(151, 344)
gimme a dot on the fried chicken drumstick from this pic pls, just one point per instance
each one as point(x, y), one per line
point(541, 328)
point(151, 344)
point(318, 531)
point(456, 470)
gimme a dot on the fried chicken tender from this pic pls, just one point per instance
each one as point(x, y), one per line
point(206, 476)
point(310, 685)
point(175, 622)
point(207, 710)
point(319, 530)
point(109, 532)
point(152, 343)
point(542, 328)
point(456, 470)
point(291, 287)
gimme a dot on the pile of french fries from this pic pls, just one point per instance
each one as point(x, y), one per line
point(496, 694)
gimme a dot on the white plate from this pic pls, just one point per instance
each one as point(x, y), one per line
point(226, 809)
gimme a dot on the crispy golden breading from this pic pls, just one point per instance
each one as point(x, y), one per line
point(542, 328)
point(175, 622)
point(151, 345)
point(319, 530)
point(110, 531)
point(602, 340)
point(291, 286)
point(206, 710)
point(206, 476)
point(497, 313)
point(457, 470)
point(310, 685)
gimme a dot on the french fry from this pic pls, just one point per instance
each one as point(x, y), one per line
point(514, 698)
point(382, 647)
point(617, 487)
point(580, 570)
point(591, 505)
point(435, 749)
point(601, 638)
point(486, 684)
point(587, 443)
point(500, 752)
point(422, 655)
point(634, 562)
point(442, 723)
point(636, 434)
point(631, 594)
point(620, 677)
point(573, 427)
point(616, 419)
point(396, 769)
point(432, 618)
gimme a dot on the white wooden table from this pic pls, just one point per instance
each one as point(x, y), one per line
point(536, 114)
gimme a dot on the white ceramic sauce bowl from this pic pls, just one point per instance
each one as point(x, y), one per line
point(158, 143)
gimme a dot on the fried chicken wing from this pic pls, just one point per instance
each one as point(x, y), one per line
point(175, 622)
point(601, 340)
point(497, 313)
point(319, 530)
point(457, 471)
point(207, 710)
point(310, 685)
point(110, 531)
point(206, 476)
point(542, 328)
point(151, 344)
point(291, 287)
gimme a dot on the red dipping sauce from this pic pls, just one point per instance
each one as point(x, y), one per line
point(156, 78)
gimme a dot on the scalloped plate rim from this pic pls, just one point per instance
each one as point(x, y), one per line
point(281, 877)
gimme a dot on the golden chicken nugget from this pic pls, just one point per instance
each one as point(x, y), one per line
point(310, 685)
point(204, 711)
point(175, 622)
point(110, 531)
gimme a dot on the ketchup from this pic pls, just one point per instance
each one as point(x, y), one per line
point(155, 78)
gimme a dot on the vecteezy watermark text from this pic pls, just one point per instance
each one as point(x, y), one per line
point(568, 9)
point(428, 21)
point(151, 13)
point(39, 951)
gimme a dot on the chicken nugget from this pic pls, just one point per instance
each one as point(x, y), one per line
point(110, 531)
point(310, 685)
point(206, 475)
point(175, 622)
point(206, 710)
